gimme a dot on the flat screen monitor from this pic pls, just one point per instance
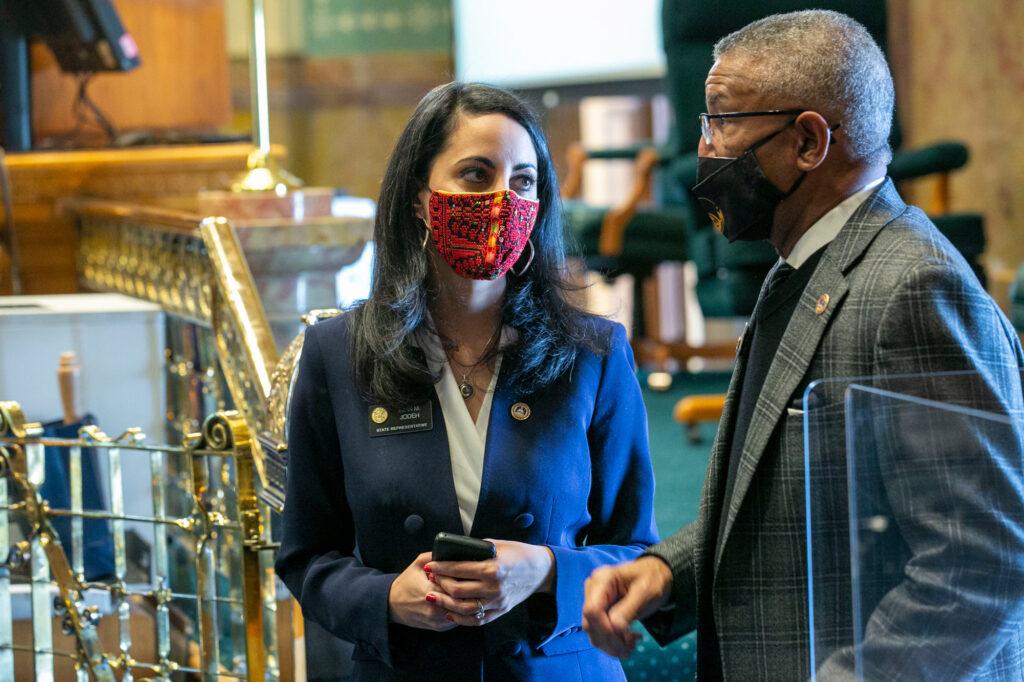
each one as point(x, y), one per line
point(539, 43)
point(85, 35)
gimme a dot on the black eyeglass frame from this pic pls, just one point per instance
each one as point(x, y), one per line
point(705, 118)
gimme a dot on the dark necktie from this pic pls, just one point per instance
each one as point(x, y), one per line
point(752, 381)
point(779, 276)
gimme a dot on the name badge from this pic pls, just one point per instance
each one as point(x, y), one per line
point(386, 421)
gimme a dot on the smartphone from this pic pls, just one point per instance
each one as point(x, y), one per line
point(450, 547)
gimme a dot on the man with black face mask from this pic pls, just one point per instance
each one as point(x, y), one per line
point(794, 150)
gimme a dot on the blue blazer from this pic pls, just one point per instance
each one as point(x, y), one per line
point(575, 476)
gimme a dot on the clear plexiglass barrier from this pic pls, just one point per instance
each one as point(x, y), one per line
point(915, 526)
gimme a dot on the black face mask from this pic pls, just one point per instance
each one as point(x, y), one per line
point(737, 196)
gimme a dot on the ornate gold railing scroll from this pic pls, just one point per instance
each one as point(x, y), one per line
point(195, 269)
point(274, 435)
point(220, 628)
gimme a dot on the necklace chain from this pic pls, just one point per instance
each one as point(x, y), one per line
point(466, 387)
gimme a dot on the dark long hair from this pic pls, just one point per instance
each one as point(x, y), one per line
point(389, 369)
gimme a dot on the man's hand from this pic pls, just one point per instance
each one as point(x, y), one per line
point(615, 596)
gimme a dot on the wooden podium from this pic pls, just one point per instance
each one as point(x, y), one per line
point(181, 85)
point(47, 240)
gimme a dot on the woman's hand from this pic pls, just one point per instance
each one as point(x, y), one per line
point(496, 585)
point(414, 599)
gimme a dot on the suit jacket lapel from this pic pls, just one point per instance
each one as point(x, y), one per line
point(797, 348)
point(723, 441)
point(803, 335)
point(720, 447)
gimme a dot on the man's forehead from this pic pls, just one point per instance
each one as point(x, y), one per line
point(729, 80)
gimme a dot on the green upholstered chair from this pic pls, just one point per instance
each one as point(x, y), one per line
point(634, 238)
point(965, 230)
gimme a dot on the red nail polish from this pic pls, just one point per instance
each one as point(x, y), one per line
point(426, 569)
point(449, 617)
point(431, 598)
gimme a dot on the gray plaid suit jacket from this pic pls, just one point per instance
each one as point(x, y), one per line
point(902, 301)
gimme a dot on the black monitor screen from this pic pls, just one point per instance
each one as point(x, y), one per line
point(85, 35)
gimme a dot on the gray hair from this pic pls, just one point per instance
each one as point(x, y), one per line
point(827, 62)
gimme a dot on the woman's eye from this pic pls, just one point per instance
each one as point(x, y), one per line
point(523, 183)
point(474, 175)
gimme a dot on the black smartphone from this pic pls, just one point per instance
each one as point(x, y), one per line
point(450, 547)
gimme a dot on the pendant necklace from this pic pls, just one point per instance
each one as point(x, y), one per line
point(466, 388)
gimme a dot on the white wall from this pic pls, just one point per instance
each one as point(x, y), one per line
point(551, 42)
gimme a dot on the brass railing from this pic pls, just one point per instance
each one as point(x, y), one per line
point(212, 629)
point(194, 268)
point(220, 355)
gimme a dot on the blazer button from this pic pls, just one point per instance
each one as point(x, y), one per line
point(523, 521)
point(511, 648)
point(413, 524)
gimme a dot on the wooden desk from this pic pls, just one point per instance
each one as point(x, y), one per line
point(47, 241)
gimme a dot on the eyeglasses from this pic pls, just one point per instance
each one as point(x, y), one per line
point(705, 119)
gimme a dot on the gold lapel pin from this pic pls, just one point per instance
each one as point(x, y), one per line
point(821, 305)
point(739, 339)
point(520, 412)
point(379, 415)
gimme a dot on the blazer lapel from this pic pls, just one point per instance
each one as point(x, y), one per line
point(439, 477)
point(497, 435)
point(434, 469)
point(803, 335)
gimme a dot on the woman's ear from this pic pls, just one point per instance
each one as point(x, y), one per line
point(419, 210)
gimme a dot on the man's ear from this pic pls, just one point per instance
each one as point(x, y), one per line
point(814, 139)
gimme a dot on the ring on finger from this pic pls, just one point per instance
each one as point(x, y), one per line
point(480, 612)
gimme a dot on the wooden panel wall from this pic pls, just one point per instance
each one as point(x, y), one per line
point(959, 69)
point(339, 117)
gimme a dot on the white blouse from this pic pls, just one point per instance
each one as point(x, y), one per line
point(466, 439)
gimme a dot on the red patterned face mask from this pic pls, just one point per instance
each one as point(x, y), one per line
point(481, 235)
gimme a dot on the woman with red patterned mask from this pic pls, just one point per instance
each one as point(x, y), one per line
point(482, 202)
point(467, 395)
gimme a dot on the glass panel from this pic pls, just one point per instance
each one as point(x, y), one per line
point(915, 523)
